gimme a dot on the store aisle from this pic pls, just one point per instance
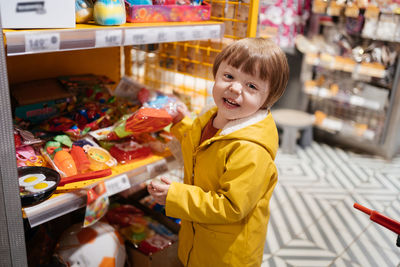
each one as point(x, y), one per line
point(313, 222)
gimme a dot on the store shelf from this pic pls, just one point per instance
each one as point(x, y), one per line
point(65, 203)
point(340, 63)
point(87, 36)
point(346, 129)
point(354, 100)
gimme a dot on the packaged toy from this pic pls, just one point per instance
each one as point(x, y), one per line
point(109, 12)
point(83, 10)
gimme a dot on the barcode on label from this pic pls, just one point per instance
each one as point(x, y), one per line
point(117, 184)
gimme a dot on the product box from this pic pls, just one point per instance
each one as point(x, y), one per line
point(164, 13)
point(167, 257)
point(19, 14)
point(39, 100)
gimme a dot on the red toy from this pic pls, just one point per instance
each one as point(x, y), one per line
point(381, 219)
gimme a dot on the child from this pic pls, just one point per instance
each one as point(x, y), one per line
point(229, 160)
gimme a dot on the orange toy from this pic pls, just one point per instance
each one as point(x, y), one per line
point(81, 160)
point(65, 163)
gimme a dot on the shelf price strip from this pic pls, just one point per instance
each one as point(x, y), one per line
point(43, 42)
point(117, 184)
point(108, 38)
point(170, 34)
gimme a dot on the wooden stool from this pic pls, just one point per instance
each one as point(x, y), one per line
point(293, 123)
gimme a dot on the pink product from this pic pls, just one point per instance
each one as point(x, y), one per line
point(164, 13)
point(288, 17)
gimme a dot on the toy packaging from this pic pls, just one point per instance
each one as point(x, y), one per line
point(168, 11)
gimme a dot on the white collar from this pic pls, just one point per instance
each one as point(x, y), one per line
point(238, 124)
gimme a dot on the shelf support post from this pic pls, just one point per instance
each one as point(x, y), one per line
point(12, 238)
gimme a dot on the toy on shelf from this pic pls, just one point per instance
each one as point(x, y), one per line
point(65, 163)
point(99, 158)
point(24, 150)
point(26, 156)
point(97, 245)
point(109, 12)
point(144, 120)
point(169, 10)
point(83, 11)
point(81, 160)
point(128, 151)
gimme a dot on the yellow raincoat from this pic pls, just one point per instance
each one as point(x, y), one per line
point(228, 182)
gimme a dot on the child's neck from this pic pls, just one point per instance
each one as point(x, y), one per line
point(219, 122)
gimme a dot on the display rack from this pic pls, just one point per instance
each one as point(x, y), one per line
point(37, 54)
point(28, 43)
point(342, 116)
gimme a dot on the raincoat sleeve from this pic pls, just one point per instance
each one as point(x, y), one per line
point(241, 186)
point(179, 129)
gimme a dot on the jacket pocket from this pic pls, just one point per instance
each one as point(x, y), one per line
point(211, 247)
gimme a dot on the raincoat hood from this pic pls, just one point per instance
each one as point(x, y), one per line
point(259, 128)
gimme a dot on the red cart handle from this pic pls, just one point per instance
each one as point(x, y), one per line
point(380, 218)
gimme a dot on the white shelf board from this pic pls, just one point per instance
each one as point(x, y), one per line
point(87, 36)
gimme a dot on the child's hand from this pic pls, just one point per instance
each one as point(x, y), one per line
point(181, 112)
point(159, 190)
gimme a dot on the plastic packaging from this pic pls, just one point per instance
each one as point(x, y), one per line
point(81, 160)
point(64, 161)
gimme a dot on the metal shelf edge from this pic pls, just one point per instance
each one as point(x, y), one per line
point(68, 202)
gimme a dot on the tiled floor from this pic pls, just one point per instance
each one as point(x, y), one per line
point(313, 222)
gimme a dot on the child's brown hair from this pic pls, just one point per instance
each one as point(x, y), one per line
point(258, 57)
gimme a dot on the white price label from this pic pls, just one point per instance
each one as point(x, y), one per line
point(157, 168)
point(139, 36)
point(198, 33)
point(214, 31)
point(162, 36)
point(179, 35)
point(357, 101)
point(117, 184)
point(42, 42)
point(108, 38)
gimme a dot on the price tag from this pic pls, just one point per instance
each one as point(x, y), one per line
point(157, 168)
point(332, 124)
point(198, 33)
point(136, 36)
point(117, 184)
point(179, 34)
point(214, 32)
point(357, 101)
point(108, 38)
point(162, 36)
point(42, 42)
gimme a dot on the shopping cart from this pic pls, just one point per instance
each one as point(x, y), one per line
point(382, 220)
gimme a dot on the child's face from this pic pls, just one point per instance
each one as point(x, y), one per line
point(237, 94)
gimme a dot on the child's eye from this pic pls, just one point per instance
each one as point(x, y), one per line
point(228, 76)
point(252, 86)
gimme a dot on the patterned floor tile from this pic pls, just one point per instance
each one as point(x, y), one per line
point(340, 262)
point(274, 261)
point(303, 252)
point(368, 254)
point(313, 221)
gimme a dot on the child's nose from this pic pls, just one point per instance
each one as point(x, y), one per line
point(236, 87)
